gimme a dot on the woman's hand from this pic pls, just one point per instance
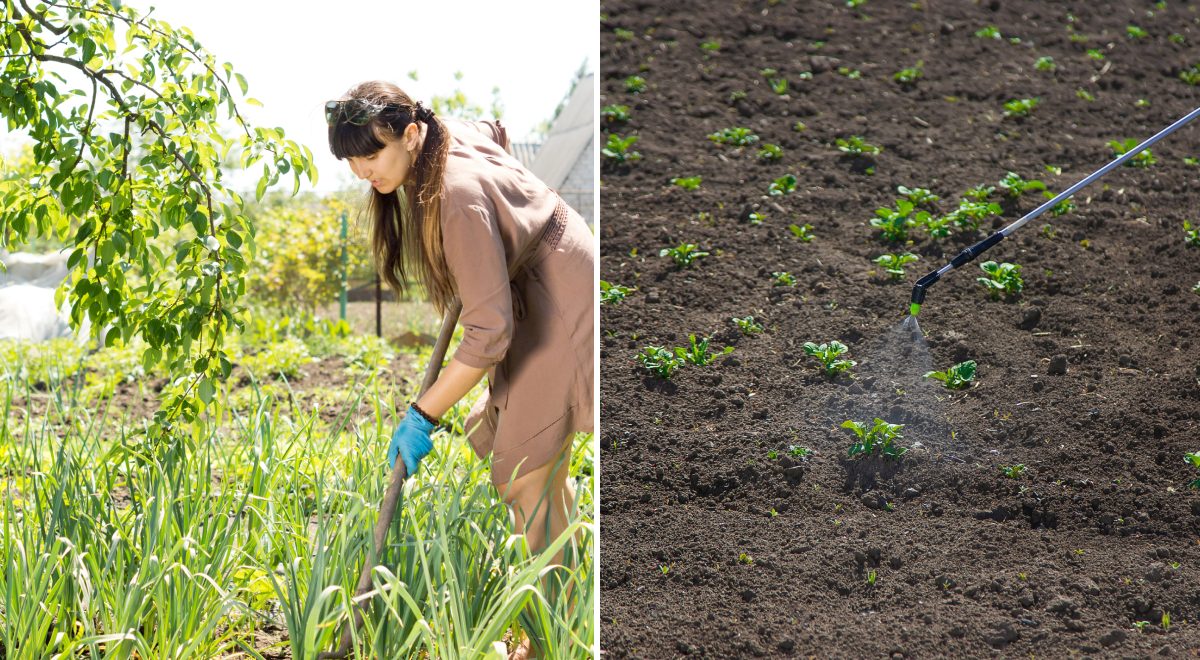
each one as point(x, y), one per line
point(411, 441)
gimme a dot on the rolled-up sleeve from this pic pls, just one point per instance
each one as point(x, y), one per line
point(475, 255)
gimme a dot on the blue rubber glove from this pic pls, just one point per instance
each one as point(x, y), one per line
point(411, 441)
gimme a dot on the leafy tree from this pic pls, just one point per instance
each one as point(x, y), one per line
point(126, 115)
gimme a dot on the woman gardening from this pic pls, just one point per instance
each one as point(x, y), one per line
point(454, 211)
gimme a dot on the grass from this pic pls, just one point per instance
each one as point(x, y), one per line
point(259, 514)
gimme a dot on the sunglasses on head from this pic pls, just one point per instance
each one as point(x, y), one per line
point(355, 111)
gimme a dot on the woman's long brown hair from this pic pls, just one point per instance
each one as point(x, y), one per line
point(406, 231)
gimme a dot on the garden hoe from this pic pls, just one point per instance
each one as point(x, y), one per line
point(918, 292)
point(392, 497)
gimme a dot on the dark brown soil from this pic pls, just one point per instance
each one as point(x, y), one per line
point(715, 543)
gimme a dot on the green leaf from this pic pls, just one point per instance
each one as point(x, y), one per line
point(206, 390)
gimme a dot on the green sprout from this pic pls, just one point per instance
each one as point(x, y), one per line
point(1013, 471)
point(1191, 236)
point(711, 45)
point(1062, 208)
point(802, 232)
point(687, 182)
point(1095, 54)
point(1177, 39)
point(635, 84)
point(697, 352)
point(738, 136)
point(617, 149)
point(988, 32)
point(956, 377)
point(783, 185)
point(1085, 95)
point(1191, 75)
point(659, 361)
point(778, 85)
point(782, 278)
point(611, 294)
point(1136, 32)
point(851, 74)
point(911, 75)
point(684, 254)
point(1122, 147)
point(917, 196)
point(969, 215)
point(894, 224)
point(1193, 459)
point(745, 559)
point(894, 264)
point(856, 146)
point(748, 325)
point(756, 218)
point(871, 576)
point(1045, 63)
point(980, 193)
point(613, 114)
point(1014, 186)
point(1002, 278)
point(828, 355)
point(796, 451)
point(1021, 107)
point(878, 439)
point(770, 152)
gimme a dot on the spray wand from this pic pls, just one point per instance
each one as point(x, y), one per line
point(967, 255)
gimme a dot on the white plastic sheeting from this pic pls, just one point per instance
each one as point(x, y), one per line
point(27, 308)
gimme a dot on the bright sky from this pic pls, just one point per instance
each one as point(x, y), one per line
point(297, 55)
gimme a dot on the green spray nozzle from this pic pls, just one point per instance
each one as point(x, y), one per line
point(914, 308)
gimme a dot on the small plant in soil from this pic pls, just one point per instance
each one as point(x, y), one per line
point(1062, 208)
point(893, 264)
point(956, 377)
point(745, 559)
point(1085, 95)
point(802, 232)
point(1095, 54)
point(989, 32)
point(618, 149)
point(909, 77)
point(1013, 186)
point(1190, 161)
point(611, 294)
point(635, 84)
point(737, 96)
point(737, 136)
point(755, 218)
point(980, 193)
point(918, 196)
point(1191, 75)
point(697, 353)
point(747, 325)
point(684, 255)
point(1045, 63)
point(880, 439)
point(612, 114)
point(871, 576)
point(856, 146)
point(1193, 459)
point(939, 227)
point(798, 452)
point(829, 356)
point(850, 74)
point(711, 45)
point(782, 278)
point(1002, 279)
point(687, 182)
point(969, 215)
point(1013, 471)
point(770, 152)
point(1021, 107)
point(1196, 288)
point(1177, 39)
point(659, 361)
point(1143, 159)
point(1136, 32)
point(782, 186)
point(894, 224)
point(1191, 235)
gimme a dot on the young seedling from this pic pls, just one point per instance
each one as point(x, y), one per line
point(1085, 95)
point(969, 215)
point(1045, 63)
point(956, 377)
point(737, 136)
point(1013, 471)
point(910, 76)
point(989, 32)
point(1014, 186)
point(894, 264)
point(979, 193)
point(850, 74)
point(635, 84)
point(796, 451)
point(748, 325)
point(612, 114)
point(659, 361)
point(687, 182)
point(1095, 54)
point(1191, 236)
point(1002, 279)
point(918, 196)
point(684, 254)
point(1136, 32)
point(782, 278)
point(1020, 107)
point(856, 146)
point(1143, 159)
point(697, 352)
point(617, 149)
point(782, 186)
point(1191, 75)
point(611, 294)
point(894, 224)
point(879, 439)
point(828, 355)
point(770, 152)
point(802, 232)
point(871, 576)
point(1062, 208)
point(1193, 459)
point(756, 218)
point(778, 85)
point(711, 45)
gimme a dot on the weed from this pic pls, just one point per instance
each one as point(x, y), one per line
point(738, 136)
point(684, 254)
point(697, 352)
point(782, 278)
point(782, 186)
point(1021, 107)
point(956, 377)
point(918, 196)
point(748, 325)
point(659, 361)
point(1045, 63)
point(1121, 147)
point(802, 232)
point(612, 114)
point(1002, 278)
point(911, 75)
point(879, 439)
point(770, 152)
point(856, 146)
point(611, 294)
point(687, 183)
point(828, 355)
point(1193, 459)
point(617, 149)
point(1191, 236)
point(635, 84)
point(1014, 186)
point(894, 264)
point(1013, 471)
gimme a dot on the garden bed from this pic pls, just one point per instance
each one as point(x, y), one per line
point(717, 540)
